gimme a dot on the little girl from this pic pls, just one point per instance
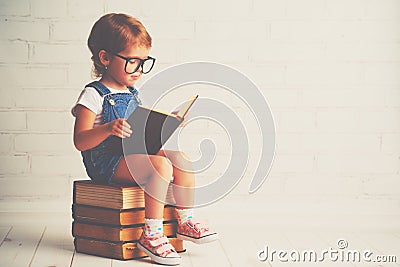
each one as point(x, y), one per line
point(120, 48)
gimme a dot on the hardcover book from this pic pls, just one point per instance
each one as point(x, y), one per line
point(117, 250)
point(113, 196)
point(99, 215)
point(116, 233)
point(151, 129)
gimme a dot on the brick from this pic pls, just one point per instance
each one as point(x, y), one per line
point(13, 120)
point(341, 97)
point(288, 143)
point(281, 97)
point(86, 9)
point(229, 30)
point(380, 120)
point(33, 76)
point(220, 9)
point(14, 164)
point(267, 52)
point(363, 52)
point(339, 143)
point(59, 122)
point(269, 9)
point(226, 52)
point(338, 120)
point(6, 141)
point(296, 31)
point(15, 8)
point(324, 31)
point(170, 29)
point(382, 9)
point(318, 74)
point(382, 73)
point(9, 97)
point(44, 144)
point(60, 53)
point(382, 186)
point(36, 31)
point(263, 75)
point(123, 6)
point(35, 187)
point(56, 165)
point(79, 74)
point(355, 9)
point(391, 97)
point(14, 52)
point(49, 8)
point(49, 98)
point(306, 9)
point(148, 9)
point(379, 31)
point(293, 163)
point(325, 185)
point(71, 30)
point(296, 121)
point(391, 143)
point(358, 164)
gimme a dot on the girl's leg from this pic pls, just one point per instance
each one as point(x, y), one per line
point(183, 177)
point(154, 171)
point(188, 228)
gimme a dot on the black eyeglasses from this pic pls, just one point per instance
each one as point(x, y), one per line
point(132, 64)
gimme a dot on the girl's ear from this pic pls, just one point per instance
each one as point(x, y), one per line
point(104, 57)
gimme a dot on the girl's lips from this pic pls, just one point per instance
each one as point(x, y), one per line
point(135, 77)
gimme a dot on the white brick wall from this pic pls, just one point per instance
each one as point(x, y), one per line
point(330, 69)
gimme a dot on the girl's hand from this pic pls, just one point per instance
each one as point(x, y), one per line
point(120, 128)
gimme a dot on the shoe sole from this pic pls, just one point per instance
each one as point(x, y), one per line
point(158, 259)
point(201, 240)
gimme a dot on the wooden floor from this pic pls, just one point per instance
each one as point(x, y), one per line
point(36, 240)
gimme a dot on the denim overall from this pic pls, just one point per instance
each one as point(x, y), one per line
point(100, 162)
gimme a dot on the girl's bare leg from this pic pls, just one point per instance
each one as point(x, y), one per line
point(154, 171)
point(183, 177)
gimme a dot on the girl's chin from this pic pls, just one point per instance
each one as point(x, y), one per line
point(131, 82)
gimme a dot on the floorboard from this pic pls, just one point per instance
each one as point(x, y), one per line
point(20, 245)
point(47, 242)
point(56, 247)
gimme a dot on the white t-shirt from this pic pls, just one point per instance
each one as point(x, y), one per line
point(92, 100)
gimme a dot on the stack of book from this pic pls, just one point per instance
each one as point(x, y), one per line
point(108, 220)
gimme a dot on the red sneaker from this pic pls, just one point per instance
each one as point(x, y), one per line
point(159, 249)
point(196, 232)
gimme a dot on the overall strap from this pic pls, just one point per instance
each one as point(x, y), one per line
point(135, 93)
point(101, 89)
point(133, 90)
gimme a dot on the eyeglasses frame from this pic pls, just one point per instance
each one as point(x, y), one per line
point(127, 59)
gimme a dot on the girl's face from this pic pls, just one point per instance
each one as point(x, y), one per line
point(115, 75)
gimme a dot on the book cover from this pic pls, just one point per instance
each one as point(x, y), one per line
point(151, 129)
point(113, 196)
point(117, 250)
point(99, 215)
point(116, 233)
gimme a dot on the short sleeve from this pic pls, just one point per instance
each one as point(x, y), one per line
point(90, 99)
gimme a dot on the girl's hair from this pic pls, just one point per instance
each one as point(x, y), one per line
point(112, 33)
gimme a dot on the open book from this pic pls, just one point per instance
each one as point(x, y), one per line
point(151, 129)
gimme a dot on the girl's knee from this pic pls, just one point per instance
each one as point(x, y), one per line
point(177, 156)
point(163, 166)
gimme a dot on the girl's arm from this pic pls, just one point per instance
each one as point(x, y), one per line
point(87, 137)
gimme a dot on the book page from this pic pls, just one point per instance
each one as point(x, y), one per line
point(185, 107)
